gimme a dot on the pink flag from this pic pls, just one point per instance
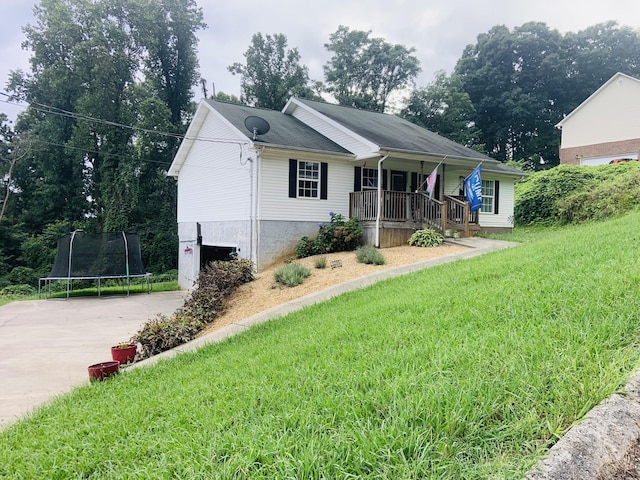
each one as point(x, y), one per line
point(431, 182)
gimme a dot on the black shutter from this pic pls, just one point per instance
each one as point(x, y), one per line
point(293, 177)
point(496, 196)
point(414, 182)
point(357, 179)
point(436, 190)
point(384, 179)
point(324, 169)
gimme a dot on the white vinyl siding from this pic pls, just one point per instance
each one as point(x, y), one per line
point(611, 115)
point(214, 185)
point(275, 203)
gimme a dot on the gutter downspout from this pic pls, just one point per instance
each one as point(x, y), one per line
point(378, 213)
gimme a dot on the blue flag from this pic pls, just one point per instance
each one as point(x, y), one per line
point(473, 189)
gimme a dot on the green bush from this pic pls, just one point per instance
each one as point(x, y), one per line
point(18, 290)
point(425, 238)
point(23, 276)
point(320, 262)
point(369, 255)
point(214, 285)
point(573, 194)
point(291, 275)
point(336, 236)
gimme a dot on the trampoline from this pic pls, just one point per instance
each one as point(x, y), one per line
point(97, 257)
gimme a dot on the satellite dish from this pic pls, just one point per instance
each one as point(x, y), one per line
point(256, 125)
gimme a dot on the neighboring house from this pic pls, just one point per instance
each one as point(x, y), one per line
point(255, 193)
point(605, 128)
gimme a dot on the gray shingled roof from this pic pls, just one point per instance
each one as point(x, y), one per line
point(285, 130)
point(391, 132)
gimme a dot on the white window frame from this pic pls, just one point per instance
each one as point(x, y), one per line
point(369, 178)
point(308, 182)
point(488, 196)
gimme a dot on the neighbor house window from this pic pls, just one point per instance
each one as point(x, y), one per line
point(308, 179)
point(369, 178)
point(488, 196)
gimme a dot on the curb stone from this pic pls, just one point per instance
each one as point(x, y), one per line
point(598, 447)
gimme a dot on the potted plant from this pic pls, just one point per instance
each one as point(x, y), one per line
point(124, 352)
point(100, 371)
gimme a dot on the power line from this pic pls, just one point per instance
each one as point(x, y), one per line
point(47, 109)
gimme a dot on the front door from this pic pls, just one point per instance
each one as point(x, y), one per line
point(398, 181)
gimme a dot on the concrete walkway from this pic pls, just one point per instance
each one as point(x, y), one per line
point(71, 334)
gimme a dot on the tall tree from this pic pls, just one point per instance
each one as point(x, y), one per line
point(272, 73)
point(445, 108)
point(104, 72)
point(522, 82)
point(363, 71)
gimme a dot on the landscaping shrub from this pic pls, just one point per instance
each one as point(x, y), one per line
point(214, 285)
point(291, 275)
point(425, 238)
point(369, 255)
point(339, 235)
point(320, 262)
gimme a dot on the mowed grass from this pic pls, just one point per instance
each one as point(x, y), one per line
point(466, 370)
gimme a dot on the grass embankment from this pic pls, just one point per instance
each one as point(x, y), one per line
point(466, 370)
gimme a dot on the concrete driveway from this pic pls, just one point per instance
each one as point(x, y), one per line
point(35, 337)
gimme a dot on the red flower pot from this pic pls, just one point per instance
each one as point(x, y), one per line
point(124, 355)
point(100, 371)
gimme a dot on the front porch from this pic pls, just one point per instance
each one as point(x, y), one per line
point(402, 213)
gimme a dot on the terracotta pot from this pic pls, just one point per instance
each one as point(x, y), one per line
point(124, 355)
point(100, 371)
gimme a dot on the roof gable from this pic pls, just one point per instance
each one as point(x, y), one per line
point(614, 79)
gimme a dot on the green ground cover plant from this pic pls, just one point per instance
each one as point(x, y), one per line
point(369, 255)
point(291, 274)
point(468, 370)
point(425, 238)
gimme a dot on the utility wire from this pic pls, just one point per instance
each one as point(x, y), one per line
point(47, 109)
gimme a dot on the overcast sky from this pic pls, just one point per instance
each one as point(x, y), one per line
point(438, 30)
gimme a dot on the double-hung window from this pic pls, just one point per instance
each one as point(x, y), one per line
point(308, 179)
point(488, 196)
point(369, 178)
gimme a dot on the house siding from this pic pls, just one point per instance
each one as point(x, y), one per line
point(214, 184)
point(606, 124)
point(275, 204)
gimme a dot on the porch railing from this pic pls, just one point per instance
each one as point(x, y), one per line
point(412, 207)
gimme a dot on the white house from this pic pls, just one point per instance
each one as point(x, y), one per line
point(605, 128)
point(252, 181)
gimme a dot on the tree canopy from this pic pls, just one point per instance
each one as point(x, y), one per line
point(523, 82)
point(365, 71)
point(272, 73)
point(109, 92)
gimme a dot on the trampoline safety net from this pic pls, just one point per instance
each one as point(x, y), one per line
point(88, 255)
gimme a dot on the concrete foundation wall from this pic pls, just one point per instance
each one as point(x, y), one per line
point(278, 240)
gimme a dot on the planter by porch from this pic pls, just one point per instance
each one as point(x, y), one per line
point(124, 353)
point(100, 371)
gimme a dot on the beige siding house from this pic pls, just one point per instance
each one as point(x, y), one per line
point(605, 128)
point(255, 192)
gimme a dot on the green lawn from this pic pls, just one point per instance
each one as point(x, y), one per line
point(466, 370)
